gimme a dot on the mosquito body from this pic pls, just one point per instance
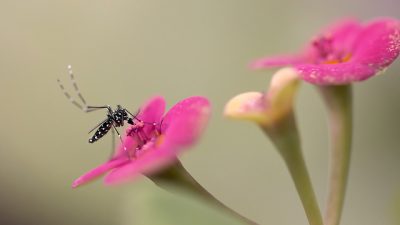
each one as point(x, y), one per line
point(115, 118)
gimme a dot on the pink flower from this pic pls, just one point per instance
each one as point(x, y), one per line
point(154, 142)
point(345, 52)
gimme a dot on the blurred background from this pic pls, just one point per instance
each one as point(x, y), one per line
point(124, 52)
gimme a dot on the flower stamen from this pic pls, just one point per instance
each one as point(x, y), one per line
point(327, 53)
point(144, 137)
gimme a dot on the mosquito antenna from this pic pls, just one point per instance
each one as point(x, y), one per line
point(69, 97)
point(78, 92)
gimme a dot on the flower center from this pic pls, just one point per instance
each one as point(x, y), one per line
point(146, 135)
point(327, 53)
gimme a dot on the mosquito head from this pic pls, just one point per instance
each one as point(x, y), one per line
point(119, 116)
point(125, 114)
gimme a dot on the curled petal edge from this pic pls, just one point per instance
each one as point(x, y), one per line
point(266, 108)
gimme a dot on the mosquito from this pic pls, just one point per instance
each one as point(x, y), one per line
point(115, 118)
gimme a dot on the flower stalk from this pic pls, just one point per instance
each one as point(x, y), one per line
point(273, 112)
point(285, 136)
point(178, 175)
point(338, 100)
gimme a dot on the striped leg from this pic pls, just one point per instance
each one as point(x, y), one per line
point(119, 136)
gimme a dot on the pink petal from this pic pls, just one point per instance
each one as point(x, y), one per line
point(127, 144)
point(195, 104)
point(98, 171)
point(185, 130)
point(378, 45)
point(184, 123)
point(334, 74)
point(153, 110)
point(149, 162)
point(343, 33)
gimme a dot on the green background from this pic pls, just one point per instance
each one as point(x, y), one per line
point(124, 52)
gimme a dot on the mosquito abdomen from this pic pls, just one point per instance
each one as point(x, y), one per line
point(103, 129)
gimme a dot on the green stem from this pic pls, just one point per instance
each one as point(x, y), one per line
point(178, 175)
point(338, 100)
point(285, 136)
